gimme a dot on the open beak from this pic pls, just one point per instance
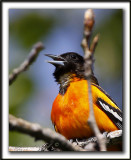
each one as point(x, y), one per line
point(57, 60)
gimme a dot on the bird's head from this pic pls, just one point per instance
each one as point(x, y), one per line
point(68, 65)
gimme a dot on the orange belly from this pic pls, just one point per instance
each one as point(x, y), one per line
point(70, 112)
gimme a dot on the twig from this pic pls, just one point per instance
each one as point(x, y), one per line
point(46, 134)
point(24, 66)
point(94, 43)
point(88, 25)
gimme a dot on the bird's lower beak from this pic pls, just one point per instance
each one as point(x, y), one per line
point(57, 60)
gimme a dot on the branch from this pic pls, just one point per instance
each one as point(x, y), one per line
point(25, 65)
point(39, 133)
point(113, 138)
point(88, 25)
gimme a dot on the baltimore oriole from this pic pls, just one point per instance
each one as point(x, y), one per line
point(70, 110)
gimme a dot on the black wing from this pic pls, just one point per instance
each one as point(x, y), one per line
point(114, 114)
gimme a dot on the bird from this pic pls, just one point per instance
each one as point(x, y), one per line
point(70, 109)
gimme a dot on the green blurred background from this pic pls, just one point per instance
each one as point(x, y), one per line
point(61, 30)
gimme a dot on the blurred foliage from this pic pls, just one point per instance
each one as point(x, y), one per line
point(26, 30)
point(19, 92)
point(23, 140)
point(31, 28)
point(109, 51)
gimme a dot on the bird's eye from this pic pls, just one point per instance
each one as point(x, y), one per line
point(73, 56)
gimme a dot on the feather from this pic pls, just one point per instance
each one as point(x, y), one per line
point(114, 114)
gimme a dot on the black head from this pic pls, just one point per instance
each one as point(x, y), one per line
point(69, 63)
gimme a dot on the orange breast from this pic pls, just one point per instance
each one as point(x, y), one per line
point(70, 111)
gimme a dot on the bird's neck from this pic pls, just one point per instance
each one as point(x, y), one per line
point(65, 81)
point(67, 78)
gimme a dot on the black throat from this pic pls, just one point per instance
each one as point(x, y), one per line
point(65, 81)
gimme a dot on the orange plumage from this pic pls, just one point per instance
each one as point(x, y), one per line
point(70, 111)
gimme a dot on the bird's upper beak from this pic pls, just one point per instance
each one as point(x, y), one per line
point(57, 60)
